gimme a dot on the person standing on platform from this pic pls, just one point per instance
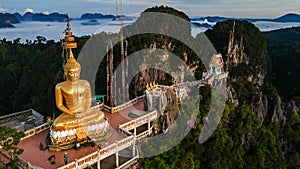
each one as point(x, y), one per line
point(66, 158)
point(93, 143)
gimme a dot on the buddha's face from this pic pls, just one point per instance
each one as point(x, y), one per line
point(73, 74)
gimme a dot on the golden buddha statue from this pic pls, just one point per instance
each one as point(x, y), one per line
point(78, 121)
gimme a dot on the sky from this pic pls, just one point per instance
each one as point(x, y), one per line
point(228, 8)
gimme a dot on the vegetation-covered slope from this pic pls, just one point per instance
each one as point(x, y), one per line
point(283, 47)
point(241, 139)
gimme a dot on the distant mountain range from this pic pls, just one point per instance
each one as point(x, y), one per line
point(7, 20)
point(53, 17)
point(290, 17)
point(96, 16)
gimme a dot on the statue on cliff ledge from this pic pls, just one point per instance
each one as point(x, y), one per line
point(78, 121)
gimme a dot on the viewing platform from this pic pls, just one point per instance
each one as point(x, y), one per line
point(23, 120)
point(121, 123)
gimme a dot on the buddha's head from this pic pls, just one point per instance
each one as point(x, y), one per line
point(72, 68)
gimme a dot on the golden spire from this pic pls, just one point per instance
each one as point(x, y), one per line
point(69, 41)
point(71, 63)
point(68, 44)
point(71, 57)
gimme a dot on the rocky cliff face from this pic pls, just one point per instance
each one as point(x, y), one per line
point(281, 113)
point(259, 106)
point(158, 66)
point(246, 61)
point(273, 112)
point(237, 55)
point(245, 54)
point(168, 116)
point(246, 57)
point(291, 107)
point(278, 115)
point(232, 95)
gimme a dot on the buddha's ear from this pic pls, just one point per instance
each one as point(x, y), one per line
point(66, 76)
point(79, 71)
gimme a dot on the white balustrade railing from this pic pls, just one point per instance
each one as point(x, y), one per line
point(144, 134)
point(23, 164)
point(87, 160)
point(106, 108)
point(101, 154)
point(35, 130)
point(13, 115)
point(125, 131)
point(128, 126)
point(128, 163)
point(30, 113)
point(121, 107)
point(99, 106)
point(139, 121)
point(128, 104)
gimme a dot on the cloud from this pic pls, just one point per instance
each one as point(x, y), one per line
point(3, 9)
point(28, 10)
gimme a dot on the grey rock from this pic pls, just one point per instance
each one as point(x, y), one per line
point(277, 112)
point(259, 106)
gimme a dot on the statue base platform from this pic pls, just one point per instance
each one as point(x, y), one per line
point(85, 141)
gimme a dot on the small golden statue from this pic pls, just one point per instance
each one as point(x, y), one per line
point(154, 85)
point(78, 122)
point(151, 86)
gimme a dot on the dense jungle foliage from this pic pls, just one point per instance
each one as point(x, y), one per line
point(283, 47)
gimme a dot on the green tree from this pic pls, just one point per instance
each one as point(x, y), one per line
point(9, 139)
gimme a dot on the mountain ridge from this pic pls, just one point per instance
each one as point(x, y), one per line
point(289, 17)
point(55, 16)
point(6, 20)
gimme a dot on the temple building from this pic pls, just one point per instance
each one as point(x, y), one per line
point(155, 98)
point(215, 73)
